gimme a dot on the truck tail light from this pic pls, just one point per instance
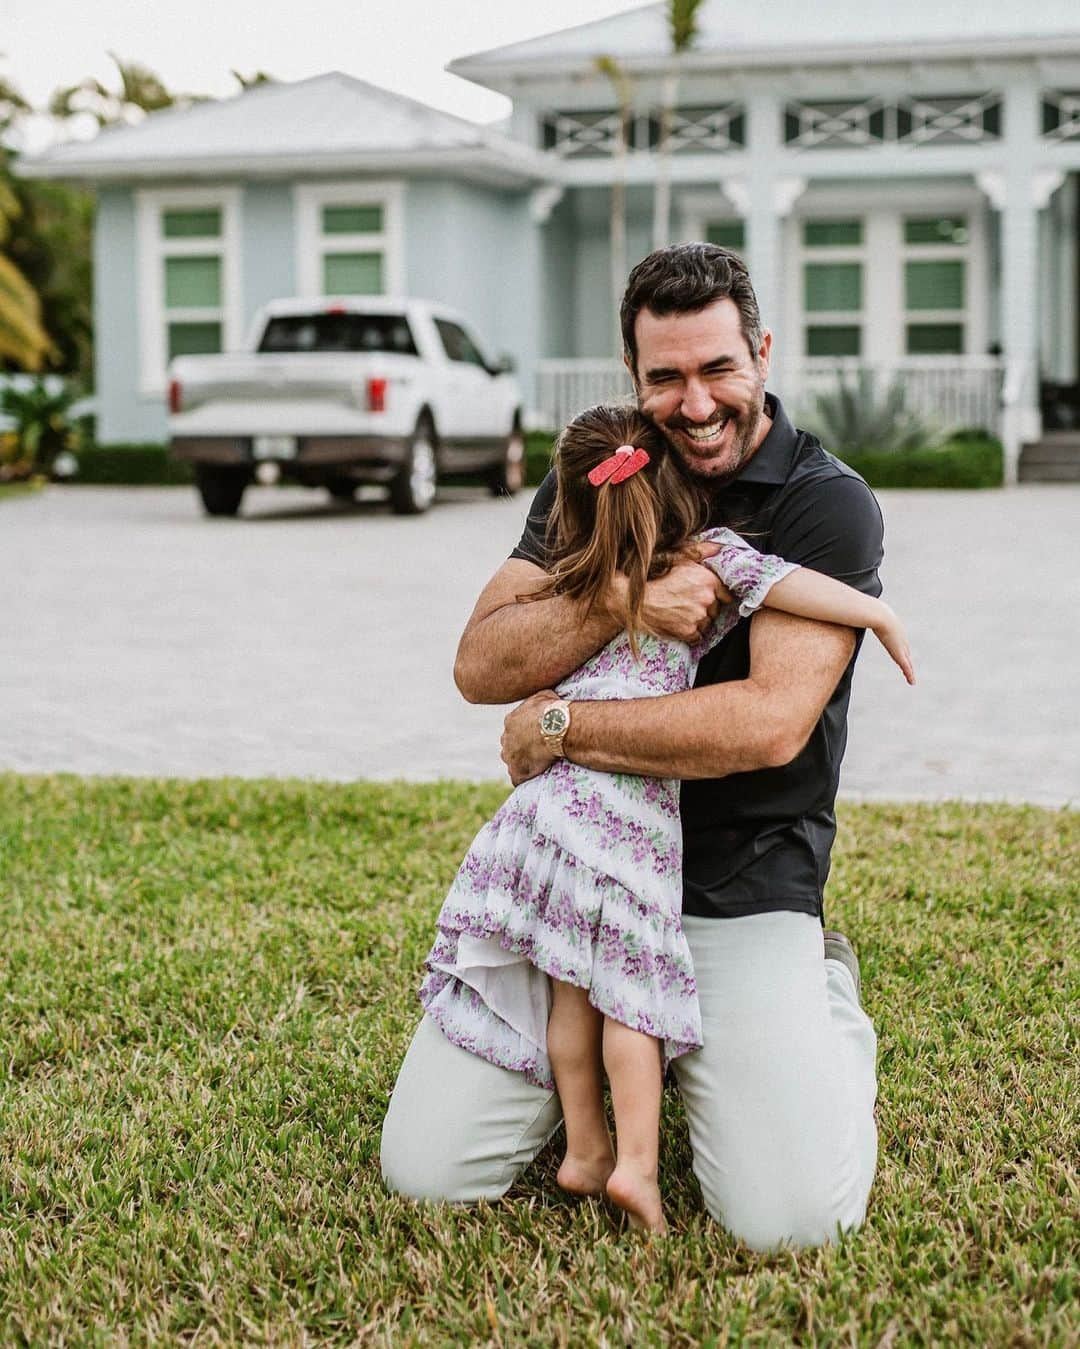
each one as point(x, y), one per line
point(376, 395)
point(176, 398)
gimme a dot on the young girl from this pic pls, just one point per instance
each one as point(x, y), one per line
point(560, 945)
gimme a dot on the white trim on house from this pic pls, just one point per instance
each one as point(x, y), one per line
point(152, 248)
point(312, 245)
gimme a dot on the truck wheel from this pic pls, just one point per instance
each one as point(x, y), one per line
point(221, 488)
point(413, 489)
point(509, 477)
point(341, 489)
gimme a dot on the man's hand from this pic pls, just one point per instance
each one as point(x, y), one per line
point(523, 749)
point(684, 601)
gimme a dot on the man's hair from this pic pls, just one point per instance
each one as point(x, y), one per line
point(683, 279)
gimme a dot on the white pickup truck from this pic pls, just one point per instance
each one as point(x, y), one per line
point(335, 392)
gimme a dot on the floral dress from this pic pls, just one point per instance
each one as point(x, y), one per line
point(578, 875)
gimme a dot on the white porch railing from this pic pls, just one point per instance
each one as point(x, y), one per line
point(949, 391)
point(566, 387)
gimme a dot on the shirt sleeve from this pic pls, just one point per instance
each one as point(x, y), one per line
point(532, 546)
point(833, 525)
point(748, 574)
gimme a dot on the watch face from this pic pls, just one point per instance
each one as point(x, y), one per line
point(554, 721)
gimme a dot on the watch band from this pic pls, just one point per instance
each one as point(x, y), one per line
point(554, 724)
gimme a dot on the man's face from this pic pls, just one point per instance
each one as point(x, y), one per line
point(697, 380)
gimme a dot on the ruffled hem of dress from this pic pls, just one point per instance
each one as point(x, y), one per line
point(442, 990)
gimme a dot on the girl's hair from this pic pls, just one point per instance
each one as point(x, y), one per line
point(639, 526)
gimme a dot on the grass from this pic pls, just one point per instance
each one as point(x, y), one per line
point(207, 988)
point(23, 488)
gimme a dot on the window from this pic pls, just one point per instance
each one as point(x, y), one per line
point(935, 285)
point(189, 284)
point(349, 239)
point(458, 345)
point(339, 332)
point(833, 264)
point(727, 233)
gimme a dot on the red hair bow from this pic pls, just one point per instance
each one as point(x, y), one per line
point(625, 461)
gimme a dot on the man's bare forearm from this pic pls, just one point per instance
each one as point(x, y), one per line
point(522, 647)
point(676, 736)
point(738, 726)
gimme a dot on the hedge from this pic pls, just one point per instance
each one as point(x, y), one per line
point(971, 461)
point(975, 462)
point(131, 466)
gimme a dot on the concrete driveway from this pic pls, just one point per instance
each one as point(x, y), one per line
point(315, 641)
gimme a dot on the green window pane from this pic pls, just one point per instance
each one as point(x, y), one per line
point(352, 219)
point(352, 274)
point(934, 285)
point(836, 340)
point(936, 229)
point(831, 233)
point(935, 339)
point(192, 224)
point(192, 283)
point(194, 339)
point(832, 285)
point(727, 233)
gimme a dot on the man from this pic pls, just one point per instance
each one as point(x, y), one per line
point(779, 1101)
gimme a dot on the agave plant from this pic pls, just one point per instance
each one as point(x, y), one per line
point(855, 418)
point(41, 430)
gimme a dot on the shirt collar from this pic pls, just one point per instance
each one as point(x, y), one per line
point(771, 462)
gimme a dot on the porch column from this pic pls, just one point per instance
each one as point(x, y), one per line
point(769, 198)
point(1019, 191)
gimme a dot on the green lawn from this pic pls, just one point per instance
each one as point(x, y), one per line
point(207, 989)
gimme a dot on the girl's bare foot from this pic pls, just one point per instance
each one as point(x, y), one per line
point(639, 1196)
point(585, 1175)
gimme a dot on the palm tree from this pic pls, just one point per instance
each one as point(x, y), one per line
point(250, 81)
point(682, 16)
point(23, 340)
point(140, 92)
point(620, 82)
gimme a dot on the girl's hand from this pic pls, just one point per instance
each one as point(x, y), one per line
point(890, 633)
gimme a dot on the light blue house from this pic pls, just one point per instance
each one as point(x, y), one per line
point(903, 181)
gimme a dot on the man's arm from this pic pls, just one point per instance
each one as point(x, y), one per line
point(762, 721)
point(510, 649)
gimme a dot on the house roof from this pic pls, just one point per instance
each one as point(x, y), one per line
point(784, 32)
point(329, 122)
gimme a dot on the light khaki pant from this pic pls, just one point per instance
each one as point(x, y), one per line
point(779, 1101)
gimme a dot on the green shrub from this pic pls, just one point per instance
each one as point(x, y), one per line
point(538, 447)
point(968, 462)
point(131, 466)
point(970, 459)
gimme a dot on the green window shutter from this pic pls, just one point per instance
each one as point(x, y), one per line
point(934, 285)
point(194, 339)
point(353, 274)
point(352, 219)
point(727, 233)
point(834, 340)
point(204, 224)
point(192, 283)
point(832, 233)
point(832, 285)
point(934, 229)
point(935, 339)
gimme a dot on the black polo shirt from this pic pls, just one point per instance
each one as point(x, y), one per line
point(755, 842)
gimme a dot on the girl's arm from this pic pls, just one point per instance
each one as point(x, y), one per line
point(810, 594)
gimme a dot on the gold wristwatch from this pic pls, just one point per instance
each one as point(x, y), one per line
point(554, 723)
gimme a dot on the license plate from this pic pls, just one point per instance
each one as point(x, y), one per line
point(274, 447)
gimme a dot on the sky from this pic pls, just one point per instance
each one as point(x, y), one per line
point(192, 46)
